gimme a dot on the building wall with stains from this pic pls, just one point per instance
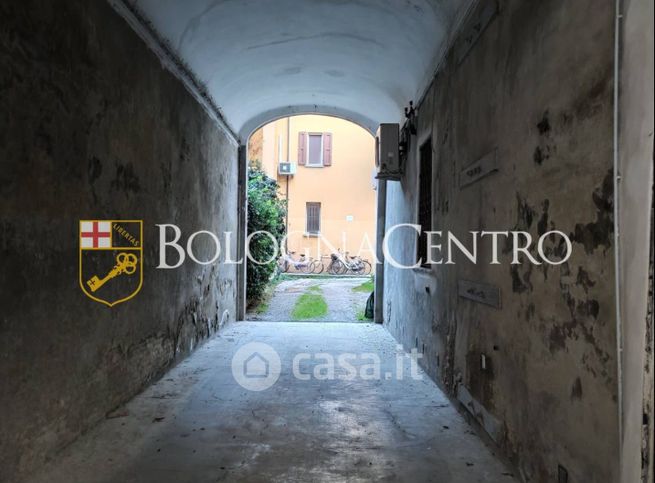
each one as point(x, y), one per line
point(535, 87)
point(93, 123)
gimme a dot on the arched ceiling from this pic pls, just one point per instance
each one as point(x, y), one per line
point(262, 59)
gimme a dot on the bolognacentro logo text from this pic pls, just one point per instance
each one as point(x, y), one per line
point(111, 251)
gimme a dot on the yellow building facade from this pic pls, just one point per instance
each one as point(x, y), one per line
point(331, 195)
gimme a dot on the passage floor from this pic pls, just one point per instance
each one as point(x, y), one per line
point(197, 424)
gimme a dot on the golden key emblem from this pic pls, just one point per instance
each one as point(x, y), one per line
point(125, 263)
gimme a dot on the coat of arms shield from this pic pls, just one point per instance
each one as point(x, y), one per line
point(111, 259)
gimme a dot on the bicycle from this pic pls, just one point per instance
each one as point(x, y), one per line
point(286, 261)
point(357, 265)
point(319, 266)
point(336, 266)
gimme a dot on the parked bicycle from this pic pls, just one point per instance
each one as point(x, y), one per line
point(357, 265)
point(336, 265)
point(303, 264)
point(319, 266)
point(341, 264)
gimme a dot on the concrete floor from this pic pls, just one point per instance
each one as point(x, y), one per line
point(198, 425)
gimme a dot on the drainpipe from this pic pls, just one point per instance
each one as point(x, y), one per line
point(286, 216)
point(617, 251)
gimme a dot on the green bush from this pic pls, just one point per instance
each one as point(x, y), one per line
point(266, 212)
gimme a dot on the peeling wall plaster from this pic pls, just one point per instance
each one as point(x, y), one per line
point(550, 350)
point(97, 129)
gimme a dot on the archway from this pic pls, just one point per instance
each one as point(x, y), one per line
point(324, 169)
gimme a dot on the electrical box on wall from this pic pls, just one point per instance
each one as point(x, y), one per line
point(387, 159)
point(286, 169)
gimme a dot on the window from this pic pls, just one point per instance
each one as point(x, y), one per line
point(315, 149)
point(424, 201)
point(313, 223)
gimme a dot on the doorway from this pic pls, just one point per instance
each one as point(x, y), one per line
point(311, 182)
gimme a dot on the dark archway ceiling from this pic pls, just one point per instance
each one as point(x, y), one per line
point(263, 59)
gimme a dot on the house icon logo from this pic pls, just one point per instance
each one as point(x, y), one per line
point(256, 366)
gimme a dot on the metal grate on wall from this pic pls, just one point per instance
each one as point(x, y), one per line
point(313, 224)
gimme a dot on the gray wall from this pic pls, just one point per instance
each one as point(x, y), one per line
point(537, 86)
point(635, 226)
point(92, 126)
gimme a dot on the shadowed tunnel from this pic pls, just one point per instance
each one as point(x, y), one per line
point(532, 117)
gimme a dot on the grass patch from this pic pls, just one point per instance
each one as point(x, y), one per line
point(262, 307)
point(310, 305)
point(360, 316)
point(365, 287)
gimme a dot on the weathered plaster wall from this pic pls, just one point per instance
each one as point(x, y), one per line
point(536, 86)
point(91, 126)
point(635, 195)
